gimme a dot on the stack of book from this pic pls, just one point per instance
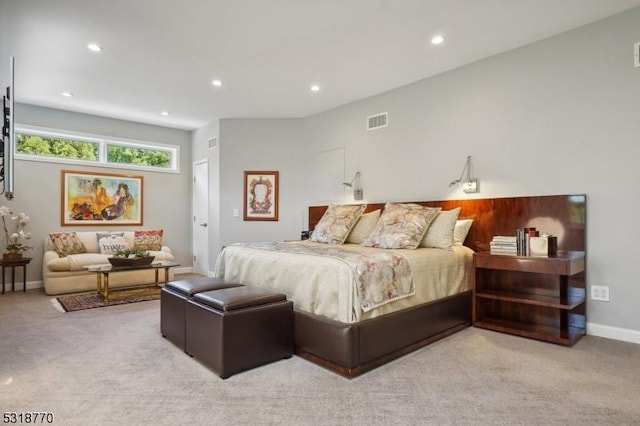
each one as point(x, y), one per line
point(504, 245)
point(523, 235)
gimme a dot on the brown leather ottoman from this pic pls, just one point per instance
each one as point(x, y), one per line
point(173, 299)
point(236, 329)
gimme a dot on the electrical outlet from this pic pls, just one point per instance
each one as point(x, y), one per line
point(600, 293)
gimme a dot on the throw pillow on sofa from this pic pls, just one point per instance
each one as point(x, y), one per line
point(66, 243)
point(148, 240)
point(111, 242)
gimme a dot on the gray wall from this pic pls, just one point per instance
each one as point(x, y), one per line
point(558, 116)
point(253, 144)
point(167, 196)
point(264, 144)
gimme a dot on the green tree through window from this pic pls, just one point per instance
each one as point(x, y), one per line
point(141, 156)
point(54, 147)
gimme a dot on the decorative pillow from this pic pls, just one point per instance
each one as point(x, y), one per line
point(148, 240)
point(66, 243)
point(460, 231)
point(111, 242)
point(440, 233)
point(336, 223)
point(401, 226)
point(364, 226)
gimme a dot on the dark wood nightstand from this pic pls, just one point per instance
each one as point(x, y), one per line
point(542, 298)
point(13, 264)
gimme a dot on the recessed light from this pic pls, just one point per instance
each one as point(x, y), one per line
point(437, 39)
point(315, 88)
point(216, 83)
point(67, 94)
point(165, 113)
point(94, 47)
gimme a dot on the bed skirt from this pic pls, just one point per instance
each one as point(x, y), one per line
point(352, 349)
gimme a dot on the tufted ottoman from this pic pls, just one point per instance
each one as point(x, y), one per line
point(236, 329)
point(173, 299)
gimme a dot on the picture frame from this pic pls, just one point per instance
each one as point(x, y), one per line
point(261, 195)
point(100, 199)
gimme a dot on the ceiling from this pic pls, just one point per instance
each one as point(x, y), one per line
point(162, 55)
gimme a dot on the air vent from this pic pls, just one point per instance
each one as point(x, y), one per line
point(213, 142)
point(377, 121)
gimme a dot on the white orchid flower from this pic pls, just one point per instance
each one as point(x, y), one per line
point(23, 219)
point(5, 211)
point(25, 235)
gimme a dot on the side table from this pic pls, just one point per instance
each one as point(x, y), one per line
point(13, 264)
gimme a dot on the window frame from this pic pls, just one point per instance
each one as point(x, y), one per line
point(103, 143)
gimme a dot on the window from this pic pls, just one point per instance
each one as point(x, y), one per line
point(67, 147)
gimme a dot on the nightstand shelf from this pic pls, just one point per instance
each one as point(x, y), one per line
point(571, 301)
point(536, 297)
point(563, 336)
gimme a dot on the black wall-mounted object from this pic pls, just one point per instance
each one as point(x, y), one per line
point(8, 135)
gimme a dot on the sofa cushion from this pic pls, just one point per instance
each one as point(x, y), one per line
point(66, 243)
point(77, 262)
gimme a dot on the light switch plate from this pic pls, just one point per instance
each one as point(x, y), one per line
point(636, 54)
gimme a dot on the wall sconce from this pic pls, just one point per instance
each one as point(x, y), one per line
point(469, 185)
point(355, 184)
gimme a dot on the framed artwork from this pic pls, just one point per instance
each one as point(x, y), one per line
point(92, 198)
point(260, 195)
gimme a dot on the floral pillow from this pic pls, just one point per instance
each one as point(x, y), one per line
point(440, 233)
point(66, 243)
point(148, 240)
point(111, 242)
point(365, 225)
point(401, 226)
point(336, 223)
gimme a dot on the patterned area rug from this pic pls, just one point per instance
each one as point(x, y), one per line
point(78, 302)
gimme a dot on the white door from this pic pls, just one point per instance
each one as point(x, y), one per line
point(200, 228)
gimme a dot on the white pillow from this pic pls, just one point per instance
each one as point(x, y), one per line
point(460, 231)
point(109, 243)
point(440, 232)
point(364, 226)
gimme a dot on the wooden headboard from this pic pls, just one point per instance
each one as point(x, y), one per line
point(561, 215)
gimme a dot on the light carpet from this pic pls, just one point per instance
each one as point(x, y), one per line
point(112, 367)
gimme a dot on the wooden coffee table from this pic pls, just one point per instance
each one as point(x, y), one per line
point(103, 271)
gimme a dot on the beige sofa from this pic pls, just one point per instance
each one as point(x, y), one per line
point(67, 274)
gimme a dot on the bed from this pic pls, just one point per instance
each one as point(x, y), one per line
point(351, 330)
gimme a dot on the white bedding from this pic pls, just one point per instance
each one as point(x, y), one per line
point(326, 286)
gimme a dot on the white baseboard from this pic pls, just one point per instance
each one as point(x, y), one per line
point(183, 270)
point(30, 285)
point(617, 333)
